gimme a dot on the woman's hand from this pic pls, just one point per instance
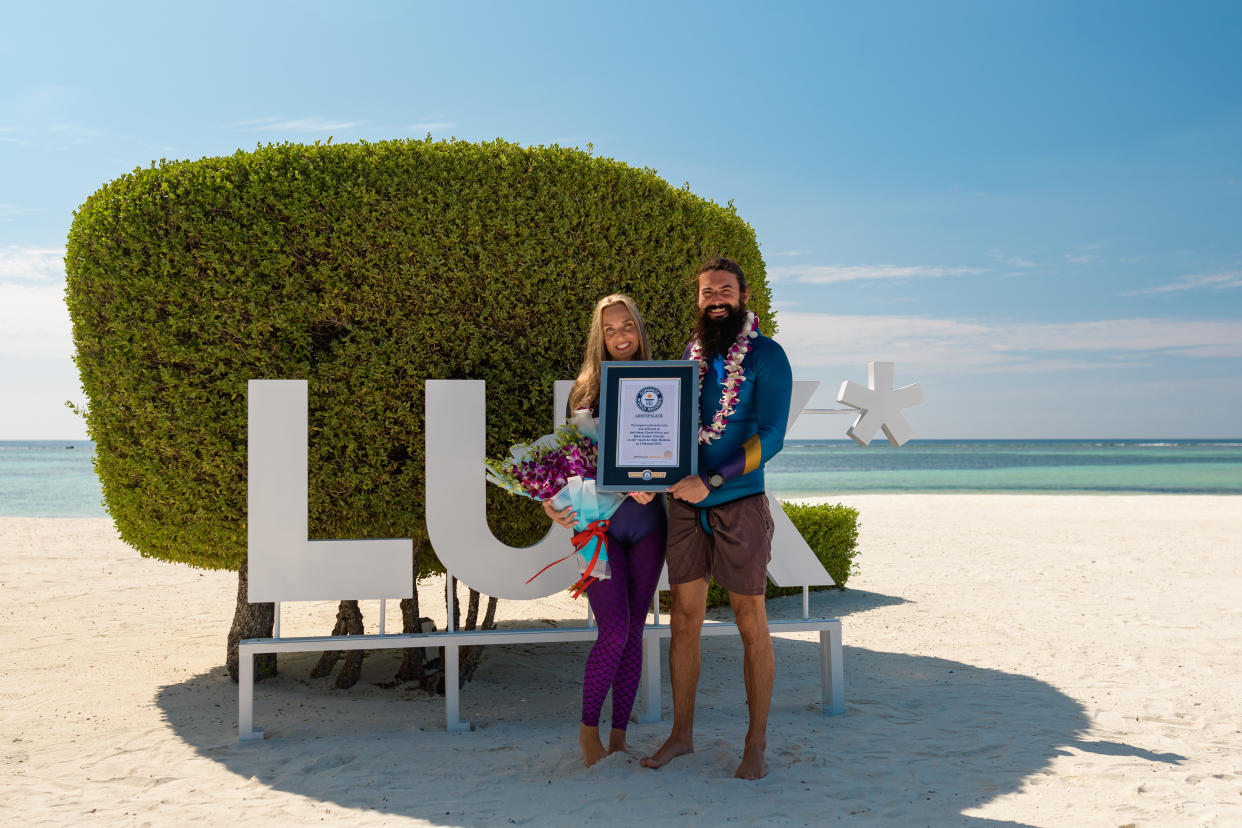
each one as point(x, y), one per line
point(643, 497)
point(567, 517)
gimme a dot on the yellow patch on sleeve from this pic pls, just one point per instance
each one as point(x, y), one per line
point(754, 454)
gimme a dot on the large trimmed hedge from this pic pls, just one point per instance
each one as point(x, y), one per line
point(365, 268)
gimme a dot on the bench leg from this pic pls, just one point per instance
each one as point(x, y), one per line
point(831, 672)
point(649, 708)
point(246, 731)
point(452, 691)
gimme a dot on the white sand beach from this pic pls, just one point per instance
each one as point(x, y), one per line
point(1028, 660)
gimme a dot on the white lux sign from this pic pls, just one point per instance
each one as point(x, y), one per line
point(285, 566)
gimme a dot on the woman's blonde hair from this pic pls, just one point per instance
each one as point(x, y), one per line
point(586, 387)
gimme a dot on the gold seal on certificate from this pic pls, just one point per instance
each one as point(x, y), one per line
point(648, 424)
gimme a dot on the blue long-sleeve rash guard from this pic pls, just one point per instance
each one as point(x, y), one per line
point(756, 431)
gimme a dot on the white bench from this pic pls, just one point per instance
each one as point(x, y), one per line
point(286, 566)
point(649, 708)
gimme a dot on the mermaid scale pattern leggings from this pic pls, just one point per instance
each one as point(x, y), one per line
point(620, 605)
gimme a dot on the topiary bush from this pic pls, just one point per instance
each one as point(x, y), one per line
point(831, 530)
point(365, 268)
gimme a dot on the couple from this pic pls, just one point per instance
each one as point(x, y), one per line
point(718, 524)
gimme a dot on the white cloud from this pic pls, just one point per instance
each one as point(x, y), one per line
point(251, 122)
point(1012, 261)
point(1084, 258)
point(76, 134)
point(828, 274)
point(431, 126)
point(1202, 338)
point(53, 136)
point(1210, 281)
point(34, 321)
point(276, 123)
point(74, 129)
point(792, 253)
point(7, 210)
point(311, 125)
point(33, 318)
point(31, 264)
point(35, 408)
point(951, 345)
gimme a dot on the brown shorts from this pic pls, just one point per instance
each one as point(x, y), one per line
point(737, 551)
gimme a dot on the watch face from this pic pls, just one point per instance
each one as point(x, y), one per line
point(715, 481)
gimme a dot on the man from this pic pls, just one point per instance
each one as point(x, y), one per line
point(719, 522)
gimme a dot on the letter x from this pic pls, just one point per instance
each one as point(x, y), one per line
point(879, 405)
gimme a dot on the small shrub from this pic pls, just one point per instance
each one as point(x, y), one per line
point(831, 530)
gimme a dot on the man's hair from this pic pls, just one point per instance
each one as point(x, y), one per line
point(728, 265)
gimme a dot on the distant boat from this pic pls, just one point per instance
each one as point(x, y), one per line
point(69, 447)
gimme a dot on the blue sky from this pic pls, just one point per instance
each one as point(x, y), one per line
point(1034, 209)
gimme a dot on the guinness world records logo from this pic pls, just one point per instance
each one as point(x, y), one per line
point(649, 399)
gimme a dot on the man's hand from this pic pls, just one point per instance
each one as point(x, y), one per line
point(643, 497)
point(567, 518)
point(691, 489)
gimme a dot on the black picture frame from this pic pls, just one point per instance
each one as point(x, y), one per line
point(617, 469)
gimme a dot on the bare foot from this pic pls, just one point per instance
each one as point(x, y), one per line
point(617, 743)
point(592, 747)
point(669, 751)
point(753, 766)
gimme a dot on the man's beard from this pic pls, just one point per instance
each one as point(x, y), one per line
point(716, 336)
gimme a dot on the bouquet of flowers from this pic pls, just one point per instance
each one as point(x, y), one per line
point(561, 467)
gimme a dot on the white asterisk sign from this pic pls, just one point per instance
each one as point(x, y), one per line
point(879, 405)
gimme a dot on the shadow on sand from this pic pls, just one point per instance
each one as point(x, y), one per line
point(920, 735)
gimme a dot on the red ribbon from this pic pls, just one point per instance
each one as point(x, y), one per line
point(596, 529)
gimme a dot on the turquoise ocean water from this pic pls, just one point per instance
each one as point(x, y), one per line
point(1019, 466)
point(49, 478)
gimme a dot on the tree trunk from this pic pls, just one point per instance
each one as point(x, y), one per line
point(450, 583)
point(327, 660)
point(250, 621)
point(471, 655)
point(472, 610)
point(348, 622)
point(433, 678)
point(412, 661)
point(351, 670)
point(431, 674)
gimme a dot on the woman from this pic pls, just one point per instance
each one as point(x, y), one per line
point(635, 548)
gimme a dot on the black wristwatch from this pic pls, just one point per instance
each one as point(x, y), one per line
point(715, 480)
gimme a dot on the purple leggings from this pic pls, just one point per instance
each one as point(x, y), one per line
point(620, 604)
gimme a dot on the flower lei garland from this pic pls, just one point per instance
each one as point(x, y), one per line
point(734, 377)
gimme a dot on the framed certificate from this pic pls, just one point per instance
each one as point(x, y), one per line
point(648, 425)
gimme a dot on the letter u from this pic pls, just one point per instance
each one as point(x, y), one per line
point(456, 501)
